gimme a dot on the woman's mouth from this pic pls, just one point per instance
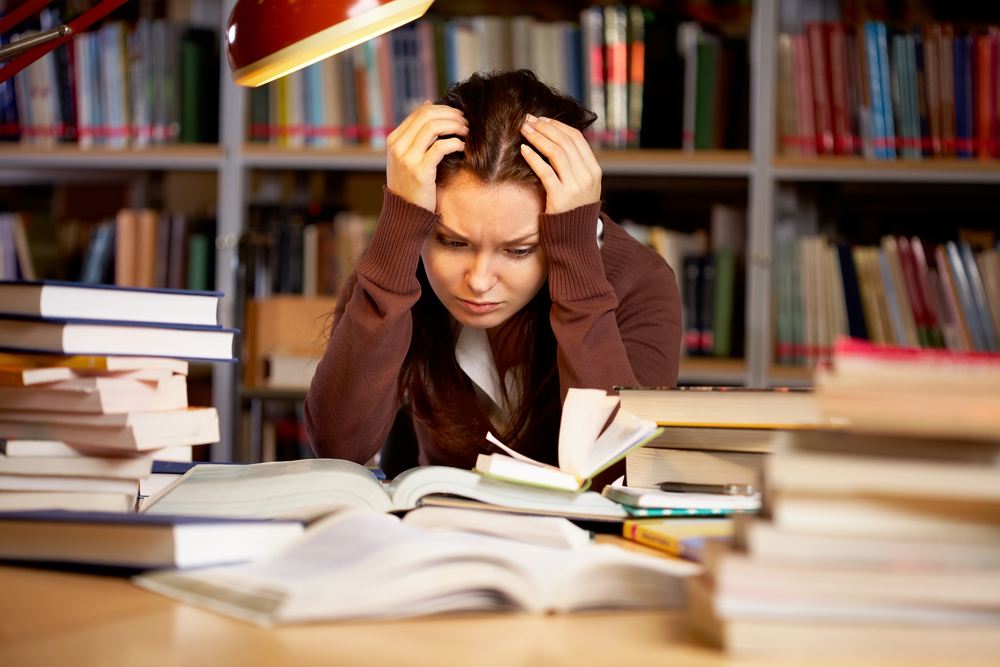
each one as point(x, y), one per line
point(479, 307)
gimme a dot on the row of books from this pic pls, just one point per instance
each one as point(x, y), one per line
point(139, 248)
point(708, 267)
point(873, 90)
point(897, 293)
point(153, 82)
point(360, 95)
point(286, 251)
point(881, 538)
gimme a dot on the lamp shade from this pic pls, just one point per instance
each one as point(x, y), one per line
point(267, 39)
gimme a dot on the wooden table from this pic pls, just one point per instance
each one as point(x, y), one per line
point(50, 618)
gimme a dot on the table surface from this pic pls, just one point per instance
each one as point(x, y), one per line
point(61, 618)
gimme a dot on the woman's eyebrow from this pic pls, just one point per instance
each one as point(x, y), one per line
point(521, 239)
point(447, 231)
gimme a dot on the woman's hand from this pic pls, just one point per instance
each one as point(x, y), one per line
point(415, 149)
point(572, 177)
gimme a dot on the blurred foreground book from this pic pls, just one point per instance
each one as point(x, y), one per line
point(880, 539)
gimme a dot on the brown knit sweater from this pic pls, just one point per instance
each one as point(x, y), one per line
point(615, 314)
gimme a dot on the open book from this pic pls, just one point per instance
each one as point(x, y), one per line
point(365, 565)
point(311, 487)
point(583, 450)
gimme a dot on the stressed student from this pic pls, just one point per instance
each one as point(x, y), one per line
point(491, 286)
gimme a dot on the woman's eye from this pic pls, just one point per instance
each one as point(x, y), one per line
point(449, 243)
point(520, 252)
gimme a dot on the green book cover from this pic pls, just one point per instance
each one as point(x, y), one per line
point(704, 106)
point(190, 71)
point(199, 262)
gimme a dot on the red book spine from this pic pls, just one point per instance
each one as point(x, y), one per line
point(934, 318)
point(821, 88)
point(804, 101)
point(945, 34)
point(910, 278)
point(843, 140)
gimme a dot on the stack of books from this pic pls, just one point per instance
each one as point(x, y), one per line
point(884, 537)
point(713, 435)
point(81, 421)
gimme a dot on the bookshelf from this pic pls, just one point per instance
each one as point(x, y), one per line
point(844, 169)
point(760, 170)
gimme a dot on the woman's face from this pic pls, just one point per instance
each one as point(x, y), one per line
point(484, 260)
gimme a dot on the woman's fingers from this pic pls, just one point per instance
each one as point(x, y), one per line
point(402, 138)
point(544, 171)
point(574, 177)
point(415, 150)
point(402, 127)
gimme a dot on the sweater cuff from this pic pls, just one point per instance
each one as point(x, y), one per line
point(569, 240)
point(391, 258)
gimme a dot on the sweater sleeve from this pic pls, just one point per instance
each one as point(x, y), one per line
point(626, 334)
point(622, 334)
point(352, 400)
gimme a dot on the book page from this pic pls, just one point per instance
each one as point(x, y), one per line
point(263, 490)
point(585, 412)
point(363, 565)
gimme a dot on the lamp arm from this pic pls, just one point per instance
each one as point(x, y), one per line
point(76, 26)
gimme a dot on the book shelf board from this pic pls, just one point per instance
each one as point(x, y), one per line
point(856, 168)
point(191, 157)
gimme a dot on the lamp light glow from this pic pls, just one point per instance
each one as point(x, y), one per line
point(267, 39)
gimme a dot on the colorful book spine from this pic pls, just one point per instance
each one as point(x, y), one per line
point(881, 132)
point(819, 61)
point(684, 539)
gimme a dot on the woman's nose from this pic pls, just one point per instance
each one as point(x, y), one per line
point(480, 276)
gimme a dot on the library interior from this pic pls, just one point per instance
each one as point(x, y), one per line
point(203, 215)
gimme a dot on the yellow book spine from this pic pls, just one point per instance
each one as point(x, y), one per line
point(639, 532)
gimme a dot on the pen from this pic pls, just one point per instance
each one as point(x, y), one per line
point(721, 489)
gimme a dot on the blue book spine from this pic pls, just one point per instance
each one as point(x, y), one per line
point(963, 96)
point(886, 85)
point(852, 293)
point(897, 69)
point(980, 304)
point(965, 297)
point(574, 63)
point(312, 90)
point(920, 69)
point(451, 29)
point(875, 85)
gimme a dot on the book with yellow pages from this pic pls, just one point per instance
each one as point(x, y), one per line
point(93, 363)
point(679, 537)
point(584, 451)
point(726, 407)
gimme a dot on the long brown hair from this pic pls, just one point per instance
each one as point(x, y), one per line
point(431, 382)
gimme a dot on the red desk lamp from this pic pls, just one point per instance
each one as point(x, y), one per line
point(264, 39)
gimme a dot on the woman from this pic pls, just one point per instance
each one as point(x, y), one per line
point(491, 286)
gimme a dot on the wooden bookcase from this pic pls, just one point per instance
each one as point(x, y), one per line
point(233, 160)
